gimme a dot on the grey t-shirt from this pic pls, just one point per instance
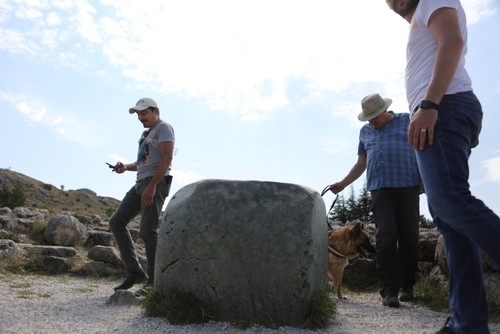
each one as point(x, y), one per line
point(148, 156)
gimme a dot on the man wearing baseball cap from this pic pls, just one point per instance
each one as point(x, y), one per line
point(147, 195)
point(393, 180)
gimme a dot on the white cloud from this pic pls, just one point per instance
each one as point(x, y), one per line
point(71, 129)
point(34, 111)
point(238, 56)
point(185, 177)
point(492, 167)
point(53, 19)
point(478, 10)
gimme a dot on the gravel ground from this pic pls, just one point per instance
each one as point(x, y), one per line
point(48, 304)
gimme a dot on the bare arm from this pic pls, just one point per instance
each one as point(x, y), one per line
point(445, 28)
point(356, 171)
point(121, 167)
point(166, 150)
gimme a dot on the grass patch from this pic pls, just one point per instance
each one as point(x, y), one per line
point(437, 299)
point(24, 290)
point(20, 285)
point(182, 308)
point(84, 289)
point(434, 298)
point(320, 310)
point(37, 230)
point(25, 294)
point(13, 264)
point(179, 308)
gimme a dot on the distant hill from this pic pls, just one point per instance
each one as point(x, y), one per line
point(46, 196)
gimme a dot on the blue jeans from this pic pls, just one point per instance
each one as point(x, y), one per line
point(130, 207)
point(466, 223)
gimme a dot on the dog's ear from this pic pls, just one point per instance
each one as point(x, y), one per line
point(357, 228)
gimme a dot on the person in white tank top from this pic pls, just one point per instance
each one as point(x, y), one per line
point(444, 127)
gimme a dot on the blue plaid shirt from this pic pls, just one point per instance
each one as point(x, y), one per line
point(390, 159)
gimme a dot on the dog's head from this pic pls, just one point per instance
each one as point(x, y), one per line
point(362, 238)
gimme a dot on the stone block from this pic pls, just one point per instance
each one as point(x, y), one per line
point(250, 250)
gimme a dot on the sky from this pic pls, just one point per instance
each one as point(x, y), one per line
point(265, 90)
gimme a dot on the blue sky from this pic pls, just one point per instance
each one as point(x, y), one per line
point(263, 90)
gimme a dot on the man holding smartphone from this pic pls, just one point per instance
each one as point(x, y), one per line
point(147, 195)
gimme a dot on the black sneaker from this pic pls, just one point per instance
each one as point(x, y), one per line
point(132, 280)
point(390, 300)
point(446, 330)
point(406, 295)
point(146, 288)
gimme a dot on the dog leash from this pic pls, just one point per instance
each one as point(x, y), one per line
point(327, 188)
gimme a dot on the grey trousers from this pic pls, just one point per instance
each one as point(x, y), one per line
point(130, 207)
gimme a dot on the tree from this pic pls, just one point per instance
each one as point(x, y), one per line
point(360, 208)
point(12, 197)
point(353, 208)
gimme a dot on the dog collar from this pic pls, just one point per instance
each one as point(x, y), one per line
point(335, 252)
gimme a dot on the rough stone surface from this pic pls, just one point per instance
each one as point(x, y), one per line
point(57, 251)
point(104, 254)
point(250, 250)
point(99, 238)
point(440, 256)
point(8, 248)
point(65, 230)
point(122, 298)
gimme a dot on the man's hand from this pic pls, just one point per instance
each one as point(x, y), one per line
point(148, 194)
point(421, 128)
point(336, 187)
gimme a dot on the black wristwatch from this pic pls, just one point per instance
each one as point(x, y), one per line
point(427, 104)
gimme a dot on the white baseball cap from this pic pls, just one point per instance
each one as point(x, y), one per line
point(142, 104)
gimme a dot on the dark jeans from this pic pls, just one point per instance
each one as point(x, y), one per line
point(396, 212)
point(150, 216)
point(466, 223)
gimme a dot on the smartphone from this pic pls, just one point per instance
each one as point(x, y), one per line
point(110, 165)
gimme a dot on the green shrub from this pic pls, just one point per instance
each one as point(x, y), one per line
point(179, 308)
point(109, 211)
point(435, 298)
point(12, 197)
point(320, 311)
point(37, 230)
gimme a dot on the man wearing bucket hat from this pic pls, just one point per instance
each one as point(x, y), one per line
point(393, 180)
point(147, 195)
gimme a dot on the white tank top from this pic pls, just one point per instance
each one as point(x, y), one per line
point(421, 53)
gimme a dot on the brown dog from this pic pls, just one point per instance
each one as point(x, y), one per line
point(345, 244)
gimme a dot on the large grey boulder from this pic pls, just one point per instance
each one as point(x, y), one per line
point(65, 230)
point(249, 250)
